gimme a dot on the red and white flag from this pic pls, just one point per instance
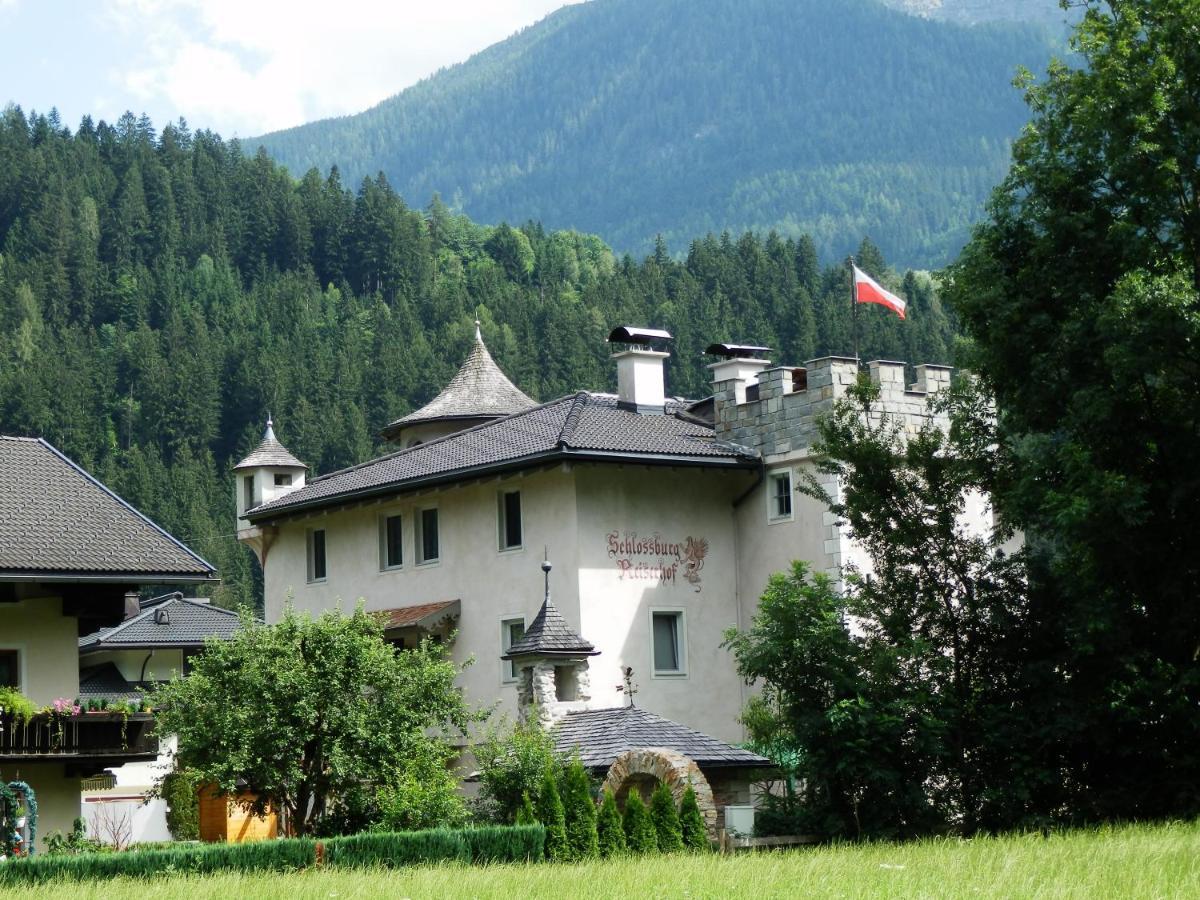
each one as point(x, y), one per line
point(867, 290)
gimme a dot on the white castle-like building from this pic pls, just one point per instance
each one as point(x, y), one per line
point(664, 519)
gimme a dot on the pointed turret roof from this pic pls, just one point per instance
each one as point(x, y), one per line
point(549, 634)
point(270, 452)
point(479, 391)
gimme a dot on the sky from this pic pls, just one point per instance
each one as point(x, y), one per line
point(238, 67)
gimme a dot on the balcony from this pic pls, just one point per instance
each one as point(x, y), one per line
point(97, 739)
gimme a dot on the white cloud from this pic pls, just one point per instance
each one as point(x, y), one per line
point(249, 68)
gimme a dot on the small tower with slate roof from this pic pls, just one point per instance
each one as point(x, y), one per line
point(552, 665)
point(266, 474)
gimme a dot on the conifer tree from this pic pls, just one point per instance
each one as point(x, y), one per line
point(609, 828)
point(665, 819)
point(691, 823)
point(525, 813)
point(553, 817)
point(640, 836)
point(580, 812)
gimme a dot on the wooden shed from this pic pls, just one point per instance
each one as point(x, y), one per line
point(223, 818)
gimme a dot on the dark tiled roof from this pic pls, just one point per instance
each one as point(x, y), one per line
point(478, 390)
point(270, 452)
point(176, 622)
point(579, 425)
point(422, 615)
point(57, 520)
point(549, 635)
point(106, 680)
point(604, 734)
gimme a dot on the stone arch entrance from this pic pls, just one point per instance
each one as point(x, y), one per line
point(639, 769)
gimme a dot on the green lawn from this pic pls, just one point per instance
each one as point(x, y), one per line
point(1143, 861)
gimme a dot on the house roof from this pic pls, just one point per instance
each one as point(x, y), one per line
point(174, 622)
point(106, 680)
point(58, 522)
point(601, 735)
point(478, 390)
point(580, 426)
point(421, 615)
point(270, 452)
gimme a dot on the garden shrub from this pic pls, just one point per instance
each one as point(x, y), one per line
point(691, 822)
point(511, 764)
point(180, 791)
point(580, 811)
point(610, 832)
point(553, 817)
point(640, 836)
point(506, 843)
point(526, 815)
point(396, 848)
point(665, 819)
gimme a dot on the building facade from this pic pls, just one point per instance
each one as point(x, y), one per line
point(664, 519)
point(72, 556)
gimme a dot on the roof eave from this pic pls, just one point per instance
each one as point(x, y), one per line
point(562, 454)
point(57, 577)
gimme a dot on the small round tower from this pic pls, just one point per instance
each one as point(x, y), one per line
point(266, 474)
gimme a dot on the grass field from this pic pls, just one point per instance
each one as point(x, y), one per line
point(1141, 861)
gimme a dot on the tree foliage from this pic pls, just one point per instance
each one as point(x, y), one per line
point(306, 711)
point(610, 831)
point(665, 818)
point(553, 816)
point(1081, 294)
point(640, 835)
point(691, 822)
point(512, 760)
point(901, 694)
point(580, 810)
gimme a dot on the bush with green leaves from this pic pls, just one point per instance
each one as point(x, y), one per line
point(553, 817)
point(640, 836)
point(308, 709)
point(425, 795)
point(512, 761)
point(610, 832)
point(394, 849)
point(505, 843)
point(691, 822)
point(179, 790)
point(580, 811)
point(526, 814)
point(666, 819)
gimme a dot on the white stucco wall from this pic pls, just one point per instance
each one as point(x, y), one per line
point(139, 665)
point(48, 644)
point(57, 795)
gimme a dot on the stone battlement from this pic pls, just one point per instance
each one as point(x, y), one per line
point(777, 414)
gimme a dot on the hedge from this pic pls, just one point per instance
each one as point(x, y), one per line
point(520, 843)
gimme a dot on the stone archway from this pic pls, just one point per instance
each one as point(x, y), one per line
point(668, 766)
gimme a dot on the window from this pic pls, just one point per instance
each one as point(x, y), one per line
point(283, 479)
point(427, 536)
point(391, 542)
point(511, 631)
point(510, 520)
point(669, 644)
point(316, 554)
point(247, 492)
point(779, 496)
point(10, 670)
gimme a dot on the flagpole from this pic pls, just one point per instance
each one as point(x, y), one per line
point(854, 310)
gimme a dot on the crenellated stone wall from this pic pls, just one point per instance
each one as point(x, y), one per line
point(778, 415)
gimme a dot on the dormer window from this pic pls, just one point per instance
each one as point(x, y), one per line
point(283, 479)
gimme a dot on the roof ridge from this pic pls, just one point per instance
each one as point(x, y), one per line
point(578, 402)
point(141, 515)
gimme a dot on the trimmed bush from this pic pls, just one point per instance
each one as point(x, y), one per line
point(610, 832)
point(396, 848)
point(553, 817)
point(179, 790)
point(639, 830)
point(506, 843)
point(580, 810)
point(271, 856)
point(665, 819)
point(691, 823)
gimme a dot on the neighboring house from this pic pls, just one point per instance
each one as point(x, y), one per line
point(665, 518)
point(72, 556)
point(155, 643)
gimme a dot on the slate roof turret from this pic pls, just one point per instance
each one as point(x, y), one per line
point(549, 634)
point(270, 452)
point(479, 390)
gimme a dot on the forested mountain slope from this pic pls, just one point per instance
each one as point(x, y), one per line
point(159, 295)
point(629, 118)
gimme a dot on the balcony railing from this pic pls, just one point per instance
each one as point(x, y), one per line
point(89, 735)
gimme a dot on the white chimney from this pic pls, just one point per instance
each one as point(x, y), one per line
point(742, 371)
point(640, 380)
